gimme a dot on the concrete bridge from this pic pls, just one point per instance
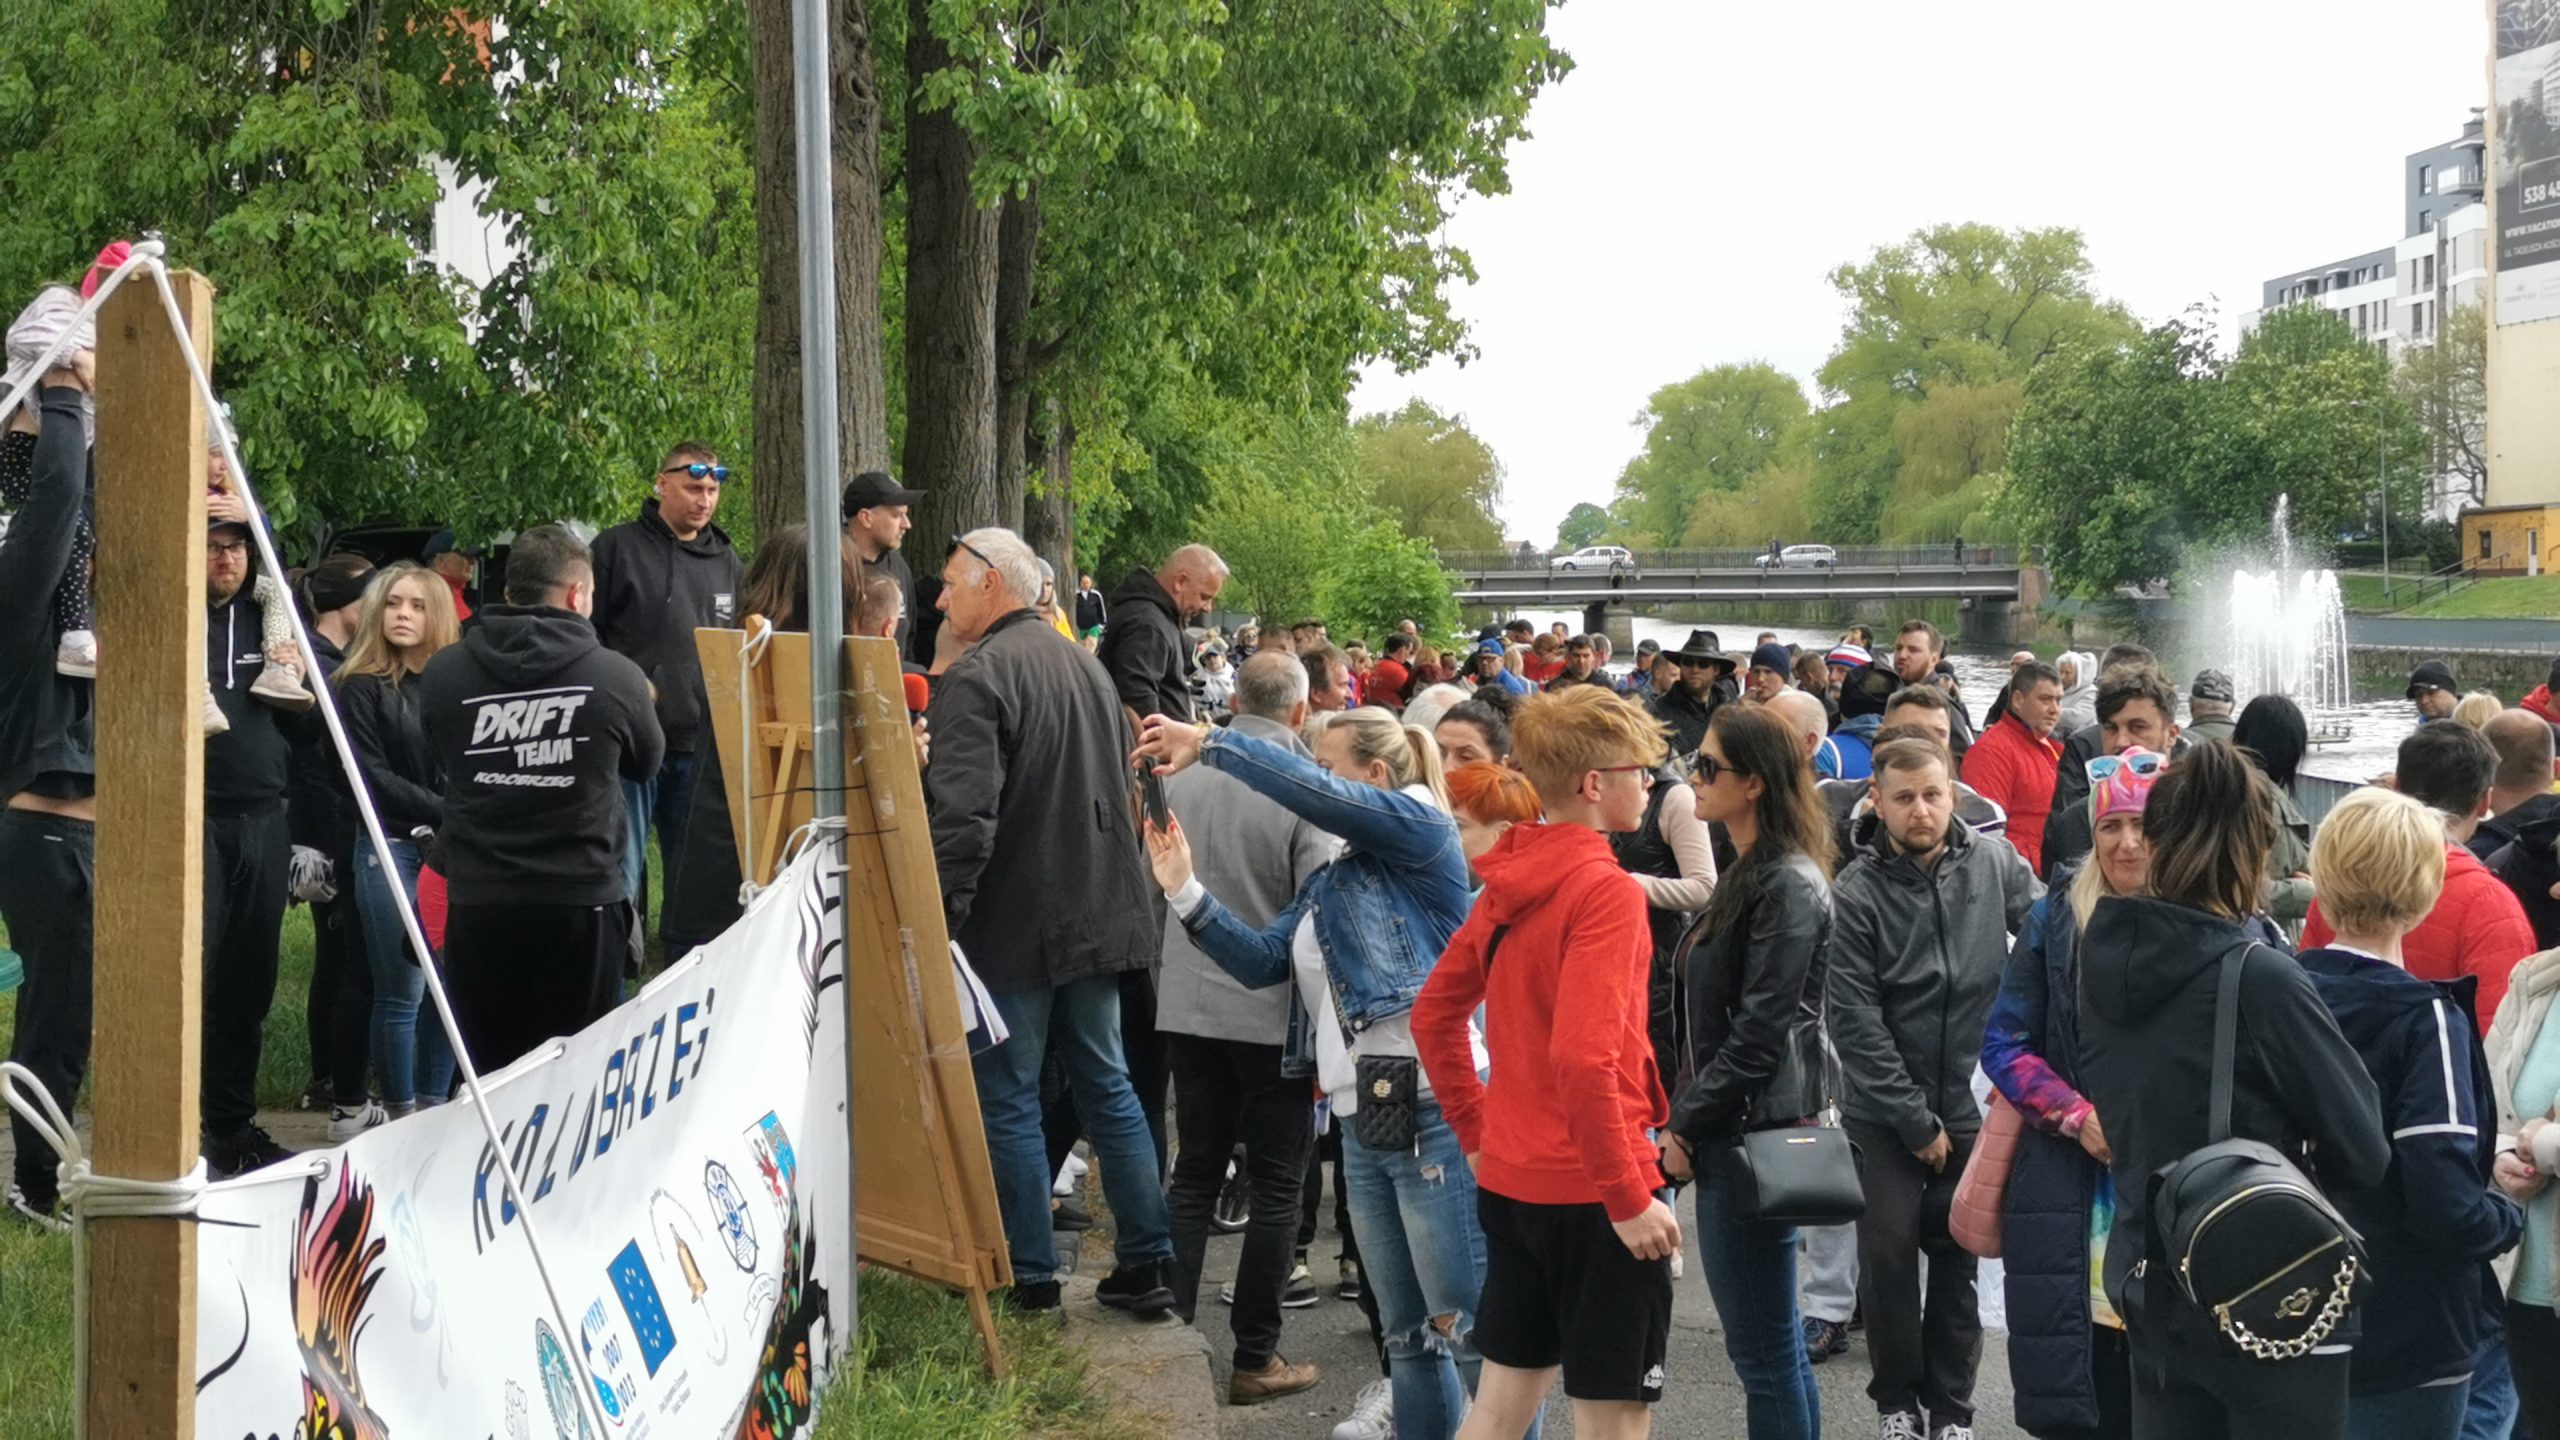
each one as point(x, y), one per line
point(1990, 581)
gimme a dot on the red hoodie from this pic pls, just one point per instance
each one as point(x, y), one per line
point(1574, 1084)
point(2477, 928)
point(2541, 703)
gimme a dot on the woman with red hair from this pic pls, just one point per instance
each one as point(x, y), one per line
point(1488, 799)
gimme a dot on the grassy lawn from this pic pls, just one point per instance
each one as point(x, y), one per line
point(2516, 597)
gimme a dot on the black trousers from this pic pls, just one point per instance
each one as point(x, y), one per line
point(1924, 1352)
point(2209, 1391)
point(520, 976)
point(1230, 1092)
point(341, 1003)
point(48, 889)
point(2533, 1340)
point(246, 862)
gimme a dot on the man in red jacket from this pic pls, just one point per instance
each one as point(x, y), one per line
point(1577, 1245)
point(2476, 927)
point(2012, 765)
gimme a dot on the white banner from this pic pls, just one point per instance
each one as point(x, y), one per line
point(688, 1170)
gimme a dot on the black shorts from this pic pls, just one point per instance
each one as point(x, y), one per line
point(1560, 1288)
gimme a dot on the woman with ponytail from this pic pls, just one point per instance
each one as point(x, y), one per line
point(1358, 941)
point(2150, 973)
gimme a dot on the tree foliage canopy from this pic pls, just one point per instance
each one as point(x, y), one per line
point(1713, 434)
point(1433, 475)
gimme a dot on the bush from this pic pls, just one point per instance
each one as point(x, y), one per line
point(1382, 576)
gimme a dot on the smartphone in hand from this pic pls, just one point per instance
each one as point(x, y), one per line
point(1151, 794)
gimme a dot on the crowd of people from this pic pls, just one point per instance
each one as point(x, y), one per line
point(1537, 953)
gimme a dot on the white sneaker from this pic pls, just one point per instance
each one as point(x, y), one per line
point(1900, 1425)
point(280, 685)
point(1373, 1415)
point(1954, 1432)
point(215, 722)
point(77, 655)
point(42, 1219)
point(345, 1124)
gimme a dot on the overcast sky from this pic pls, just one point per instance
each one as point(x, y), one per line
point(1685, 189)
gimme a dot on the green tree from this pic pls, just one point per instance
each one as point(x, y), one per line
point(1711, 433)
point(1383, 575)
point(1772, 504)
point(1433, 475)
point(2446, 385)
point(1584, 524)
point(1947, 324)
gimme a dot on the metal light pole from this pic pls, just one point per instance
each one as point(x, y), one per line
point(814, 118)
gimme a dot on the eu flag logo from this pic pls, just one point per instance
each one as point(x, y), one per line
point(639, 1292)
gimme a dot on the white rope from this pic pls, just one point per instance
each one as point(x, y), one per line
point(146, 256)
point(750, 654)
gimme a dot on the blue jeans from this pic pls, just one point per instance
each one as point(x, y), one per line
point(412, 1058)
point(2490, 1408)
point(2434, 1413)
point(1751, 1274)
point(1082, 1018)
point(1422, 1255)
point(665, 800)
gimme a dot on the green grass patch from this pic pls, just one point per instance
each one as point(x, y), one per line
point(2517, 597)
point(922, 1376)
point(35, 1333)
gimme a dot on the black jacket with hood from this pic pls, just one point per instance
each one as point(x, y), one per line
point(2435, 1222)
point(2150, 971)
point(535, 725)
point(2501, 830)
point(387, 726)
point(1042, 880)
point(1916, 958)
point(316, 810)
point(1144, 650)
point(652, 592)
point(248, 767)
point(2530, 865)
point(45, 736)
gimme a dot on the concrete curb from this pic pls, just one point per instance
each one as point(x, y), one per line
point(1154, 1372)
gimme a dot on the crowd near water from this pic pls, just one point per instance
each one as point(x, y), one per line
point(1827, 965)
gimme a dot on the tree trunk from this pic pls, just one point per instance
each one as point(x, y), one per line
point(950, 317)
point(862, 403)
point(1017, 258)
point(1049, 511)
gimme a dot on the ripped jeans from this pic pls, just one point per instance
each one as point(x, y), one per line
point(1422, 1256)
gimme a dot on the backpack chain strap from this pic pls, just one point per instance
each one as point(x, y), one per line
point(2341, 1294)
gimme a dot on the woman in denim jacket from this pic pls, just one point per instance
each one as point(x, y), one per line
point(1359, 940)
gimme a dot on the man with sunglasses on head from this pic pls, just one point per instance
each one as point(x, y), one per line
point(876, 519)
point(657, 579)
point(2136, 706)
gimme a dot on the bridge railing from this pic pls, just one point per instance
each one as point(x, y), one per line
point(1851, 557)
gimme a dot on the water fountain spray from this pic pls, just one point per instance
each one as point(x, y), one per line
point(2288, 630)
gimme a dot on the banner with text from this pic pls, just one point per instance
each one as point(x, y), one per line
point(2524, 163)
point(688, 1171)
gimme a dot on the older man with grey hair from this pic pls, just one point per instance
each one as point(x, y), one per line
point(1043, 887)
point(1227, 1046)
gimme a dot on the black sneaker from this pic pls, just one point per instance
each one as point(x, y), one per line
point(1300, 1292)
point(1139, 1289)
point(1068, 1215)
point(1039, 1297)
point(1824, 1339)
point(241, 1151)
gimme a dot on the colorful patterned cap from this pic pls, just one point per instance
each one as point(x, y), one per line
point(2124, 792)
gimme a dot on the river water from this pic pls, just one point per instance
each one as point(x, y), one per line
point(2353, 745)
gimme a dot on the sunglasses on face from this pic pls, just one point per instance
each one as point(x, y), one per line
point(2105, 766)
point(1709, 767)
point(718, 473)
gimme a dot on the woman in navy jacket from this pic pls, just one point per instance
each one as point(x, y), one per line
point(2434, 1223)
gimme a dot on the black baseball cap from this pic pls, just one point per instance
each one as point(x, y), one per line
point(442, 541)
point(874, 488)
point(2430, 675)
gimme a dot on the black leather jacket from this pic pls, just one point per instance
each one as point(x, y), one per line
point(1755, 966)
point(387, 726)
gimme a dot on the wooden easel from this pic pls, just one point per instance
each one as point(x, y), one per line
point(924, 1192)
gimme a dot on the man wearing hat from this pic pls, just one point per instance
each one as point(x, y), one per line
point(2431, 689)
point(1706, 683)
point(453, 563)
point(1639, 677)
point(876, 520)
point(1772, 670)
point(2210, 701)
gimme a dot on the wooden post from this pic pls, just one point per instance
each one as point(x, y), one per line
point(150, 875)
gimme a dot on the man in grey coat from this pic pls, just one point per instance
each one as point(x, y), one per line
point(1227, 1046)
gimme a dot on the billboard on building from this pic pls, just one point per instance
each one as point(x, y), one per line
point(2524, 163)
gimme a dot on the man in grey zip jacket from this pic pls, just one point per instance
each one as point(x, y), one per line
point(1229, 1047)
point(1920, 933)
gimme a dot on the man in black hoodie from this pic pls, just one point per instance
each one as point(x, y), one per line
point(658, 579)
point(536, 724)
point(1143, 645)
point(247, 848)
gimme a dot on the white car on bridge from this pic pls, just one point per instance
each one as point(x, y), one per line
point(1800, 557)
point(1616, 559)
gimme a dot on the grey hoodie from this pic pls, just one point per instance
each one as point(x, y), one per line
point(2080, 697)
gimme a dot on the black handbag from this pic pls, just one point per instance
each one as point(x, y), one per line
point(1797, 1175)
point(2249, 1238)
point(1389, 1087)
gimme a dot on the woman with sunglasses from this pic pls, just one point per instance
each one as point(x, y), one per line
point(1754, 967)
point(2067, 1356)
point(2150, 971)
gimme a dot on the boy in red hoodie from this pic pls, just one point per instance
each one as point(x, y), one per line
point(1558, 951)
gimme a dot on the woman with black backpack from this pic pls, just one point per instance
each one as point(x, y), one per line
point(2235, 1279)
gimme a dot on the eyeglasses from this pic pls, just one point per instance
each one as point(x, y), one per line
point(959, 544)
point(1709, 767)
point(226, 547)
point(1643, 772)
point(719, 473)
point(2144, 765)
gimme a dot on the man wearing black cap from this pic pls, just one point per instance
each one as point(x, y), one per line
point(876, 521)
point(2211, 698)
point(1772, 670)
point(1706, 682)
point(248, 854)
point(2431, 689)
